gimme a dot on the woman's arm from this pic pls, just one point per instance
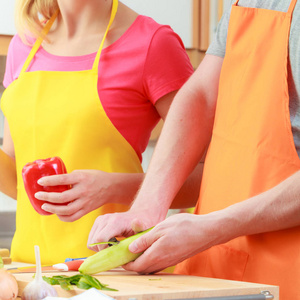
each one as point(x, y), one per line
point(94, 188)
point(8, 174)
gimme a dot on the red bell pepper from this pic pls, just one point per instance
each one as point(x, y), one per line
point(33, 171)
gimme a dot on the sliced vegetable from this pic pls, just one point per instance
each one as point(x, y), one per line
point(111, 257)
point(33, 171)
point(82, 281)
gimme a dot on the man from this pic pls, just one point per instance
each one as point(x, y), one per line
point(246, 107)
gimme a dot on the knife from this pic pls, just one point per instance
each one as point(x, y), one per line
point(66, 266)
point(30, 269)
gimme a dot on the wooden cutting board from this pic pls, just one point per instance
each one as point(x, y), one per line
point(159, 286)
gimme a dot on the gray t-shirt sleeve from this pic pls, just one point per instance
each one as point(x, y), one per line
point(218, 45)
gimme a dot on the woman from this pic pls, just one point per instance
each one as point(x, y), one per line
point(52, 105)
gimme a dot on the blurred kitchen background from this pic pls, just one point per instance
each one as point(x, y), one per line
point(194, 20)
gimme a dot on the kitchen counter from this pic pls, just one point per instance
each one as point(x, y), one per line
point(4, 43)
point(160, 286)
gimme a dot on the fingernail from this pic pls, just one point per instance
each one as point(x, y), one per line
point(40, 181)
point(45, 207)
point(38, 195)
point(133, 247)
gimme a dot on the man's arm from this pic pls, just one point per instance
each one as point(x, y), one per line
point(275, 209)
point(183, 141)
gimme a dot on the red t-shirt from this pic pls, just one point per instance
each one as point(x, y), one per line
point(147, 62)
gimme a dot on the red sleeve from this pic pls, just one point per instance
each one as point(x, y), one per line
point(167, 66)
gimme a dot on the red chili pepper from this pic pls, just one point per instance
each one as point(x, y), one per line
point(33, 171)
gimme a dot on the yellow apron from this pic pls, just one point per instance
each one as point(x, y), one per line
point(252, 150)
point(60, 114)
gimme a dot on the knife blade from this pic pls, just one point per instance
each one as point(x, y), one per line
point(31, 269)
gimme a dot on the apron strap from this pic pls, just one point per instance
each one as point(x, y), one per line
point(290, 10)
point(112, 17)
point(292, 6)
point(39, 41)
point(47, 27)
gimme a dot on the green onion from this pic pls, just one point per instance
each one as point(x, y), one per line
point(82, 281)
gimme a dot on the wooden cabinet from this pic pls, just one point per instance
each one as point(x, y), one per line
point(4, 43)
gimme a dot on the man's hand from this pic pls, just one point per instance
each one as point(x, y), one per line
point(172, 241)
point(120, 225)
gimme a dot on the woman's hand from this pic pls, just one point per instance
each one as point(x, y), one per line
point(90, 190)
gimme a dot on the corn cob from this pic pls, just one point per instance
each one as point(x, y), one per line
point(111, 257)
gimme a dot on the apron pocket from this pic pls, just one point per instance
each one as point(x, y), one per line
point(225, 262)
point(219, 261)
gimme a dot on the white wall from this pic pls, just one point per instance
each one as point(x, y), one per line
point(176, 13)
point(7, 25)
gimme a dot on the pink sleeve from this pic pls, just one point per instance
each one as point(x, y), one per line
point(8, 75)
point(167, 66)
point(16, 56)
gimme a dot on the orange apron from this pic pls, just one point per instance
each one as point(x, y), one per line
point(54, 113)
point(251, 151)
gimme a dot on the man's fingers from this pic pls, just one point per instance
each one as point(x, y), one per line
point(137, 225)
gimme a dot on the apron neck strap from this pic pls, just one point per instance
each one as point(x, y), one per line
point(39, 41)
point(290, 10)
point(47, 27)
point(112, 17)
point(292, 6)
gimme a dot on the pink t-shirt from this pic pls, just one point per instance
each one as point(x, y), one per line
point(147, 62)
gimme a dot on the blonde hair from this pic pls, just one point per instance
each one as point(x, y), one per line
point(31, 15)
